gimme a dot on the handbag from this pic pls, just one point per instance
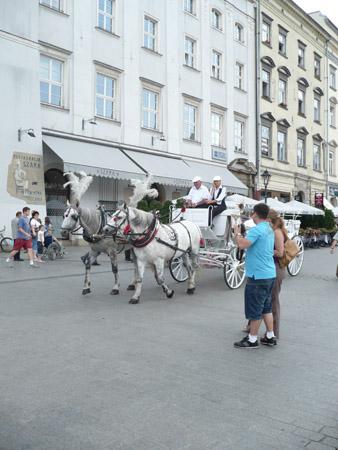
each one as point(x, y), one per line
point(291, 250)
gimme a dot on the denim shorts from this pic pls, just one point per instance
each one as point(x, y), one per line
point(258, 298)
point(35, 244)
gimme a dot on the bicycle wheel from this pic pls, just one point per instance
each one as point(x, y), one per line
point(178, 270)
point(6, 244)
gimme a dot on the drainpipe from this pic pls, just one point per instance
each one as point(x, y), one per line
point(326, 121)
point(257, 93)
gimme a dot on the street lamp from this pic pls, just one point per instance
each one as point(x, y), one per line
point(29, 131)
point(266, 178)
point(161, 138)
point(92, 121)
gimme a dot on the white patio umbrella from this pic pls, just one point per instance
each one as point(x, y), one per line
point(241, 199)
point(275, 204)
point(295, 207)
point(335, 211)
point(327, 204)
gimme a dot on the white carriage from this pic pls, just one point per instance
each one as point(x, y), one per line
point(218, 249)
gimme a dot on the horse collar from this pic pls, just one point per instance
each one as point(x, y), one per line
point(147, 236)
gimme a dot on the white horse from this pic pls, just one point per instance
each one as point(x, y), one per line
point(92, 222)
point(155, 243)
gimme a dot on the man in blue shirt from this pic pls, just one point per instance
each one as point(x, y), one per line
point(23, 238)
point(261, 273)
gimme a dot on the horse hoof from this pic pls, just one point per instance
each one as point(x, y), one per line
point(114, 292)
point(134, 301)
point(170, 294)
point(190, 291)
point(86, 291)
point(131, 287)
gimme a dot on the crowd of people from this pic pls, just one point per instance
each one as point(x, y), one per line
point(30, 235)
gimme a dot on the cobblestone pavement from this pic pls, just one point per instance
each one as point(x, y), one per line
point(93, 372)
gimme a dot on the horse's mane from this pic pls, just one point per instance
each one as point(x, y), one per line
point(142, 218)
point(78, 184)
point(141, 190)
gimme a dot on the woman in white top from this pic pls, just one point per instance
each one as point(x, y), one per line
point(41, 241)
point(35, 225)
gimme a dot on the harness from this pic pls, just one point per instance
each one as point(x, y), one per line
point(145, 237)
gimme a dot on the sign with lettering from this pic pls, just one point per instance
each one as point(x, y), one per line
point(219, 154)
point(25, 178)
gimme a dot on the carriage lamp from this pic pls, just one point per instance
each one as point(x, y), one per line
point(266, 178)
point(92, 121)
point(29, 131)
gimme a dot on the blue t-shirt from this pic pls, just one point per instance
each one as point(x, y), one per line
point(24, 224)
point(259, 263)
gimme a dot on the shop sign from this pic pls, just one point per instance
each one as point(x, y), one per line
point(25, 178)
point(319, 200)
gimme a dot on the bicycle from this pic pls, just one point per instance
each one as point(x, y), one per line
point(6, 243)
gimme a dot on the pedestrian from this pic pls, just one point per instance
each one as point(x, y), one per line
point(261, 273)
point(281, 236)
point(35, 225)
point(334, 243)
point(14, 226)
point(41, 241)
point(24, 238)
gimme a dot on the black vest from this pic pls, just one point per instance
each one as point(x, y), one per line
point(218, 194)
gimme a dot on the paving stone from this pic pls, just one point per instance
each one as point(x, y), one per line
point(318, 446)
point(330, 431)
point(330, 441)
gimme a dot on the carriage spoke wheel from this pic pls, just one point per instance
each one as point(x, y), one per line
point(296, 264)
point(7, 244)
point(178, 270)
point(234, 273)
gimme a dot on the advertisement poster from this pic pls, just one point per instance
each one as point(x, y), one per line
point(25, 179)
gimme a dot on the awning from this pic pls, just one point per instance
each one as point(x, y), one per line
point(94, 159)
point(166, 170)
point(207, 171)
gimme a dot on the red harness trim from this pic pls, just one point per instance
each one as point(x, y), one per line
point(146, 237)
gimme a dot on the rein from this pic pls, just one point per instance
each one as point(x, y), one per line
point(143, 238)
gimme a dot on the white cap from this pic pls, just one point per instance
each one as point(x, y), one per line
point(195, 179)
point(217, 178)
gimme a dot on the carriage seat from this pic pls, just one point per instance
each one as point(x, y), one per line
point(219, 222)
point(199, 216)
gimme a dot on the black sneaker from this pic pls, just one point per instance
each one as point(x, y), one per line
point(245, 343)
point(266, 341)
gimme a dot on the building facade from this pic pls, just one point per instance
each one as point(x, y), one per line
point(124, 89)
point(292, 126)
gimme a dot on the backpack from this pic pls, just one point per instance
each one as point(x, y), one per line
point(291, 250)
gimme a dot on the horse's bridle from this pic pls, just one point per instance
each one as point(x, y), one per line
point(76, 217)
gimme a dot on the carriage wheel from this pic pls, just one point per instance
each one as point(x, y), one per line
point(7, 244)
point(234, 273)
point(296, 264)
point(178, 270)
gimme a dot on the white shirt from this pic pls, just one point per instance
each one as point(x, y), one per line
point(41, 236)
point(197, 195)
point(35, 225)
point(214, 192)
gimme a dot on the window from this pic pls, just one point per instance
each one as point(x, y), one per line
point(266, 83)
point(51, 80)
point(316, 108)
point(239, 76)
point(282, 41)
point(266, 140)
point(105, 96)
point(301, 151)
point(190, 122)
point(189, 6)
point(105, 15)
point(266, 32)
point(281, 145)
point(282, 92)
point(216, 19)
point(216, 65)
point(332, 114)
point(190, 52)
point(332, 77)
point(216, 129)
point(331, 163)
point(239, 136)
point(316, 67)
point(55, 4)
point(301, 55)
point(150, 109)
point(239, 32)
point(301, 101)
point(149, 36)
point(316, 156)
